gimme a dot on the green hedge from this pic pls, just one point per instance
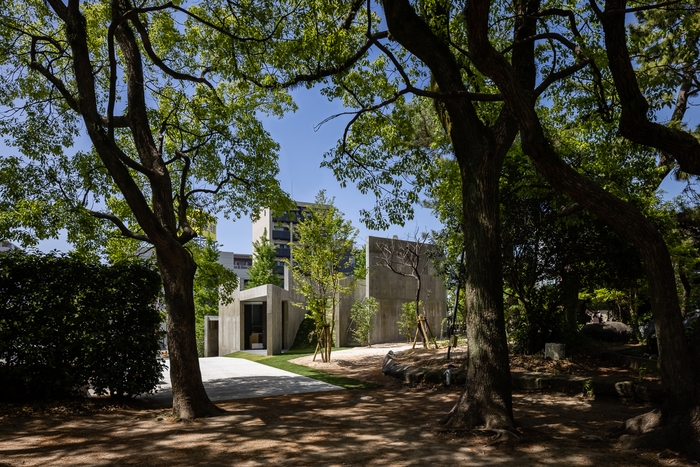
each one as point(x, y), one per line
point(65, 323)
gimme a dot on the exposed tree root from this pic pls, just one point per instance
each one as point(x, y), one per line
point(658, 431)
point(505, 437)
point(638, 425)
point(499, 433)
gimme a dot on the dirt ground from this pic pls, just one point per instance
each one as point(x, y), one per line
point(392, 425)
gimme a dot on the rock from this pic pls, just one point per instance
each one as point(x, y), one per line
point(609, 331)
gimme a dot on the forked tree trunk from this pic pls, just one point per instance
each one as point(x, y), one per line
point(177, 269)
point(678, 423)
point(480, 150)
point(155, 216)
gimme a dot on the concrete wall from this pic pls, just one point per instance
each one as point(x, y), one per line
point(293, 315)
point(231, 327)
point(274, 319)
point(342, 336)
point(392, 290)
point(263, 224)
point(211, 336)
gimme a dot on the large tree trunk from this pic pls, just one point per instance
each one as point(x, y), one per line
point(177, 269)
point(479, 150)
point(486, 400)
point(679, 370)
point(156, 217)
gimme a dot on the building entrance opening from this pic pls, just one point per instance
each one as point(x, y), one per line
point(255, 325)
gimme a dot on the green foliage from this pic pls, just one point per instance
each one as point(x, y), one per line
point(362, 315)
point(264, 262)
point(65, 322)
point(322, 252)
point(408, 320)
point(360, 267)
point(682, 235)
point(609, 299)
point(213, 284)
point(194, 129)
point(530, 325)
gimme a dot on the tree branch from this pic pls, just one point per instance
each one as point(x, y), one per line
point(554, 77)
point(562, 12)
point(634, 122)
point(188, 232)
point(120, 225)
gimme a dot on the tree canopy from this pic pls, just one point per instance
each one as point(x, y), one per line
point(264, 264)
point(174, 133)
point(320, 265)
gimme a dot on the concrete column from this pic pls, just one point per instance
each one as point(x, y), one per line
point(274, 320)
point(231, 327)
point(211, 336)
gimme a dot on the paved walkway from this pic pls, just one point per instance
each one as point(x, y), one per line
point(236, 378)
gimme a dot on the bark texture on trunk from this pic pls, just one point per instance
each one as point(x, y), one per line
point(479, 149)
point(157, 216)
point(678, 369)
point(177, 269)
point(486, 400)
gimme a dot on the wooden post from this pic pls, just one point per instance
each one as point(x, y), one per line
point(431, 332)
point(415, 339)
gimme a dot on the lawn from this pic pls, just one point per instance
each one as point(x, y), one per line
point(282, 362)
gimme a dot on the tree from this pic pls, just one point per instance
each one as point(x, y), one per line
point(684, 242)
point(174, 135)
point(679, 415)
point(360, 262)
point(264, 263)
point(381, 149)
point(321, 254)
point(361, 315)
point(213, 284)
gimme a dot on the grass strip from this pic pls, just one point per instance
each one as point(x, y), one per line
point(282, 362)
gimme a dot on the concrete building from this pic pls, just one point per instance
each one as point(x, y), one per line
point(265, 317)
point(279, 229)
point(238, 263)
point(7, 246)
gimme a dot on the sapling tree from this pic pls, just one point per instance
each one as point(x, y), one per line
point(264, 262)
point(408, 259)
point(362, 317)
point(319, 259)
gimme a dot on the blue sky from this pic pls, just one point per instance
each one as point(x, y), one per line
point(301, 153)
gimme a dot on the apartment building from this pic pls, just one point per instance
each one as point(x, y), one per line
point(279, 229)
point(238, 263)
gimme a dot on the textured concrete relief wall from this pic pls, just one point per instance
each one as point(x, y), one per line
point(392, 290)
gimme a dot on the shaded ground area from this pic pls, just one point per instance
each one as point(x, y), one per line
point(393, 425)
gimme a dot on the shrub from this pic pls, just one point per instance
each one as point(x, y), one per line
point(362, 314)
point(65, 323)
point(408, 320)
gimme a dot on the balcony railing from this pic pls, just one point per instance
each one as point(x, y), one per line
point(283, 252)
point(280, 235)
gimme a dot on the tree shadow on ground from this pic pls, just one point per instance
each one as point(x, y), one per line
point(355, 428)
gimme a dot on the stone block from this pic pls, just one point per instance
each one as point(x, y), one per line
point(554, 351)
